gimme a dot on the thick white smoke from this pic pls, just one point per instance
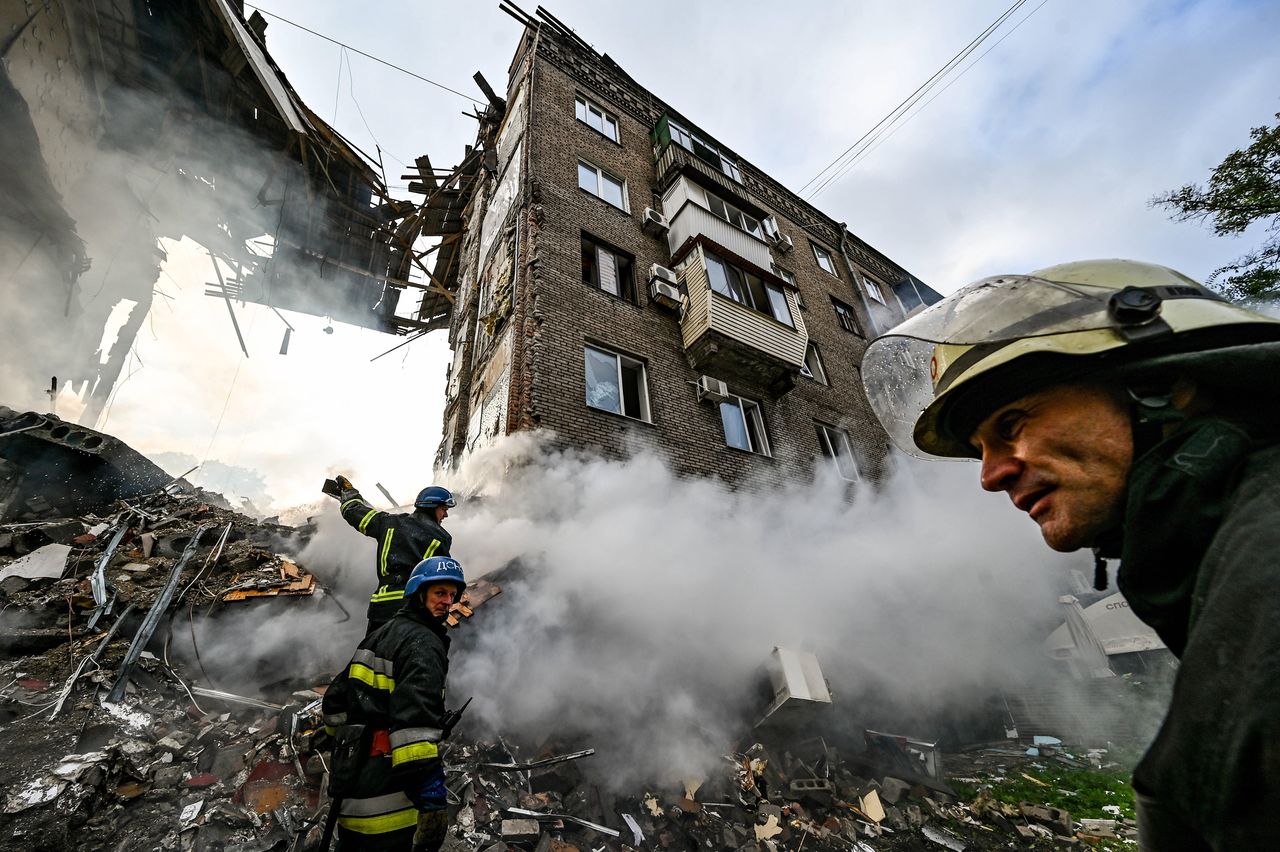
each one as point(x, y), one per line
point(648, 603)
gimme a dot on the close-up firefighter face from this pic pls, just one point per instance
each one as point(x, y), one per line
point(1063, 456)
point(440, 597)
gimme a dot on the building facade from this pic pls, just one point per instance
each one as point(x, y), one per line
point(629, 283)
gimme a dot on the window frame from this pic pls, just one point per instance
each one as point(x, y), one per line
point(875, 290)
point(805, 370)
point(644, 401)
point(742, 284)
point(601, 174)
point(734, 215)
point(825, 431)
point(843, 308)
point(688, 140)
point(628, 291)
point(741, 403)
point(819, 252)
point(606, 117)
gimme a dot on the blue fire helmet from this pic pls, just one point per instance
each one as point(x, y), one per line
point(437, 569)
point(432, 496)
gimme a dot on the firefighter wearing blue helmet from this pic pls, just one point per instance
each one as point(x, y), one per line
point(403, 541)
point(394, 795)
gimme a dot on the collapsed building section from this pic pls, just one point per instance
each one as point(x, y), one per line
point(127, 122)
point(629, 282)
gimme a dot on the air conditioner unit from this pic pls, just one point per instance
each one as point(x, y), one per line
point(655, 224)
point(665, 294)
point(783, 244)
point(712, 389)
point(658, 272)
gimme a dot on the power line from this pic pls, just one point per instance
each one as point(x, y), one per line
point(869, 137)
point(867, 152)
point(365, 55)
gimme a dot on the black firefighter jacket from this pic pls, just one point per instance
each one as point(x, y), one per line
point(1201, 565)
point(395, 685)
point(403, 542)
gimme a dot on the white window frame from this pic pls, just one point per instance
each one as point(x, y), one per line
point(735, 216)
point(747, 407)
point(601, 174)
point(646, 413)
point(583, 109)
point(819, 375)
point(874, 289)
point(748, 300)
point(826, 435)
point(826, 261)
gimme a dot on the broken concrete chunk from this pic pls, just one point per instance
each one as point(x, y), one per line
point(515, 830)
point(770, 828)
point(168, 776)
point(892, 789)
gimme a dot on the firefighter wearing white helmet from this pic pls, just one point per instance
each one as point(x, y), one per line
point(1126, 408)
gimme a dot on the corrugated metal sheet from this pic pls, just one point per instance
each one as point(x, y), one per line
point(692, 219)
point(697, 317)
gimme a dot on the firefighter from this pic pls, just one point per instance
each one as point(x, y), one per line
point(1126, 408)
point(394, 686)
point(403, 541)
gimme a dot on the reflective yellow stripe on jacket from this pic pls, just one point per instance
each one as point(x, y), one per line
point(375, 671)
point(378, 814)
point(364, 522)
point(386, 549)
point(386, 593)
point(409, 744)
point(431, 549)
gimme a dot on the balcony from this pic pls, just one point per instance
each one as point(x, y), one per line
point(675, 160)
point(684, 205)
point(731, 341)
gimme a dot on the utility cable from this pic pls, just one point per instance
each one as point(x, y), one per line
point(911, 99)
point(866, 152)
point(365, 55)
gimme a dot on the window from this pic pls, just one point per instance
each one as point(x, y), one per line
point(835, 446)
point(748, 289)
point(771, 228)
point(824, 259)
point(616, 383)
point(734, 216)
point(600, 183)
point(791, 279)
point(744, 425)
point(812, 367)
point(874, 290)
point(597, 118)
point(607, 269)
point(844, 314)
point(703, 149)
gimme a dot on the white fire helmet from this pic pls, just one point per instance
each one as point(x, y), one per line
point(935, 377)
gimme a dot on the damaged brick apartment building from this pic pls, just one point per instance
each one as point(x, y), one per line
point(629, 282)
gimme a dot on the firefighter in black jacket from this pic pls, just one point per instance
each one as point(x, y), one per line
point(403, 542)
point(394, 686)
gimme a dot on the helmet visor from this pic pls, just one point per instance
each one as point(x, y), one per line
point(900, 370)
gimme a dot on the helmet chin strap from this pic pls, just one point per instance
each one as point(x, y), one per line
point(1152, 409)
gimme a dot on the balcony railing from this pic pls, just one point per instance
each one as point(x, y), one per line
point(674, 159)
point(733, 342)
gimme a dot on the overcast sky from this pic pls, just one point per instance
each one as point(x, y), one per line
point(1046, 151)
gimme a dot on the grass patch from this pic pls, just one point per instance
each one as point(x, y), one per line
point(1082, 792)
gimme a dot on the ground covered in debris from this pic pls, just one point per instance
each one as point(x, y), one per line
point(116, 741)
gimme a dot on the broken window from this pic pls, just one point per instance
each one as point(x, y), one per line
point(874, 290)
point(598, 182)
point(812, 367)
point(748, 289)
point(597, 117)
point(616, 383)
point(824, 259)
point(744, 425)
point(608, 269)
point(844, 314)
point(791, 279)
point(836, 446)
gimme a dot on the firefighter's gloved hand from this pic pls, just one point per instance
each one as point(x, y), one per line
point(344, 483)
point(432, 826)
point(430, 794)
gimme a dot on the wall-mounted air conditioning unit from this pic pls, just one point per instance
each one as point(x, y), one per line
point(783, 244)
point(655, 224)
point(665, 294)
point(658, 272)
point(712, 389)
